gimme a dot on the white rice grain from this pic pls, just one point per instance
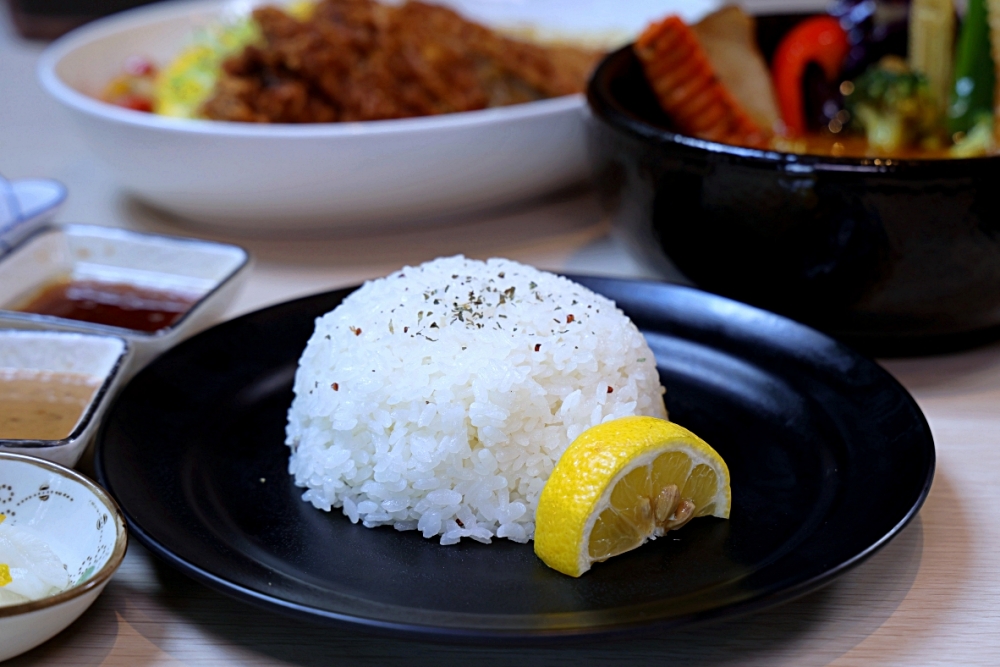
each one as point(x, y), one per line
point(440, 397)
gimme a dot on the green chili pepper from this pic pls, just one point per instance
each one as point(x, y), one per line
point(972, 95)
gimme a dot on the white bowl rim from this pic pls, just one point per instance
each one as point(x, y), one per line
point(109, 567)
point(97, 403)
point(145, 15)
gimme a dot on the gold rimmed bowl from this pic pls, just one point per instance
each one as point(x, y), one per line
point(79, 522)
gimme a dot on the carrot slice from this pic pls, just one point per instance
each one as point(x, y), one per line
point(681, 76)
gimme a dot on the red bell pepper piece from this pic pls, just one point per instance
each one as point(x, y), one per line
point(137, 103)
point(818, 40)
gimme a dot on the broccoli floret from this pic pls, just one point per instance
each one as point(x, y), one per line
point(893, 106)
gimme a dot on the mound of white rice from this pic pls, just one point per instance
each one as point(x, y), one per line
point(440, 397)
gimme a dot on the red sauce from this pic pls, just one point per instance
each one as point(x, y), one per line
point(115, 304)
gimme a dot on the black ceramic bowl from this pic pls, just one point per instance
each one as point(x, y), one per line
point(894, 256)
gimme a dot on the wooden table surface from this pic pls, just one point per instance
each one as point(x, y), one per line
point(931, 597)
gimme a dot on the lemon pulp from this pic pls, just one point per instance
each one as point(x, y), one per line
point(620, 484)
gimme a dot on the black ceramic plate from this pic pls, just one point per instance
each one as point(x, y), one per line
point(829, 457)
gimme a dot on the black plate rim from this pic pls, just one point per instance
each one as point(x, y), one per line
point(425, 632)
point(435, 633)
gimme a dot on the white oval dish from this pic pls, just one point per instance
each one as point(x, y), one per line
point(103, 357)
point(276, 177)
point(83, 526)
point(213, 270)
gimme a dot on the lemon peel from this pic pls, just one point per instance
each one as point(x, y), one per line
point(622, 483)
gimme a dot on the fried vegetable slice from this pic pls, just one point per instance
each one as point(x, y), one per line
point(688, 89)
point(729, 38)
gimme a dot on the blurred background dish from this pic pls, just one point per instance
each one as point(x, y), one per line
point(279, 177)
point(54, 388)
point(79, 523)
point(151, 290)
point(894, 255)
point(48, 19)
point(25, 205)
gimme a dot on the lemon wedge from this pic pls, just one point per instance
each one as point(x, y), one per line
point(622, 483)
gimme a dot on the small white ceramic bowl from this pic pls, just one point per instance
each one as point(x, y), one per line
point(103, 357)
point(326, 175)
point(55, 252)
point(25, 205)
point(79, 522)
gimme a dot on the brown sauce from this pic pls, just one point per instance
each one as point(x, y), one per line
point(115, 304)
point(838, 145)
point(42, 405)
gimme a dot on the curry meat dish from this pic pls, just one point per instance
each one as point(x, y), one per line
point(359, 60)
